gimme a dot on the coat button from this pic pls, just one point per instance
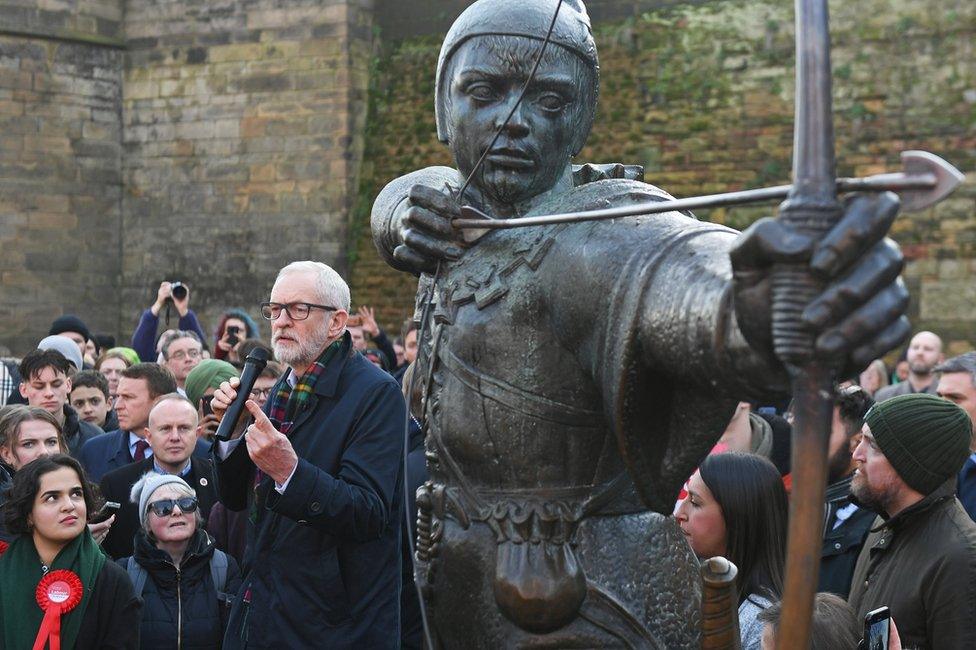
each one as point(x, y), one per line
point(303, 521)
point(837, 546)
point(315, 507)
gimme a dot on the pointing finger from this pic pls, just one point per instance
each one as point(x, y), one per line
point(261, 420)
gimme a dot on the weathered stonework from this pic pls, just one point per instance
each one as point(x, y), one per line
point(60, 167)
point(242, 138)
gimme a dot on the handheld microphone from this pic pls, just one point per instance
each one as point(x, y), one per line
point(253, 365)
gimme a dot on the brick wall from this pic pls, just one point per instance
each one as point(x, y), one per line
point(242, 135)
point(702, 95)
point(60, 88)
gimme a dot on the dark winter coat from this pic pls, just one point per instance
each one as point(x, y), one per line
point(76, 431)
point(842, 545)
point(921, 563)
point(323, 564)
point(117, 485)
point(109, 617)
point(109, 451)
point(181, 607)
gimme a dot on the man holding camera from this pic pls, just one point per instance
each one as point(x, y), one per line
point(144, 336)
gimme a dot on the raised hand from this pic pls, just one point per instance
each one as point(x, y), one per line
point(164, 293)
point(270, 449)
point(368, 319)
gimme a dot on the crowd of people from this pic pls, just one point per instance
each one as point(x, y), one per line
point(111, 472)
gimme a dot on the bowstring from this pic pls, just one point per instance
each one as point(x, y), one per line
point(422, 327)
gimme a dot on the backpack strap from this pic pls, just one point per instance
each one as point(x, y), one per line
point(218, 570)
point(137, 574)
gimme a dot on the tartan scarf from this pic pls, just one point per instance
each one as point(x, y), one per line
point(288, 403)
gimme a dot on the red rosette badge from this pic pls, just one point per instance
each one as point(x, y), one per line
point(3, 547)
point(57, 593)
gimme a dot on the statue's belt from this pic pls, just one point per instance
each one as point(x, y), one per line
point(539, 584)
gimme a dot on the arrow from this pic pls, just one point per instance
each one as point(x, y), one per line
point(926, 180)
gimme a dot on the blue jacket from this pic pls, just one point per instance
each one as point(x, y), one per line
point(966, 486)
point(109, 451)
point(144, 336)
point(323, 565)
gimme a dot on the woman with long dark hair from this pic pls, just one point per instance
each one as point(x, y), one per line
point(54, 578)
point(737, 507)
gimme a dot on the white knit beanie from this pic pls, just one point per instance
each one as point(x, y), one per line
point(143, 490)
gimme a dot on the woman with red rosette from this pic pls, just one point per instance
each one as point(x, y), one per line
point(57, 588)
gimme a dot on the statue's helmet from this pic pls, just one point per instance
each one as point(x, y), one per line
point(526, 19)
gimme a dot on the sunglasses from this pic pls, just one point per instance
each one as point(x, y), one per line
point(164, 507)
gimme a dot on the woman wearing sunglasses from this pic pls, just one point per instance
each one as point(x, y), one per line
point(186, 584)
point(54, 579)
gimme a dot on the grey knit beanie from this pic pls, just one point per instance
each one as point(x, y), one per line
point(143, 490)
point(925, 438)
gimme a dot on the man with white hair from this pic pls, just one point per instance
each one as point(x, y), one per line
point(320, 473)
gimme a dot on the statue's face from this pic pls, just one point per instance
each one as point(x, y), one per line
point(486, 76)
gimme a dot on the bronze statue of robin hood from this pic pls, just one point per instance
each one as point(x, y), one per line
point(574, 375)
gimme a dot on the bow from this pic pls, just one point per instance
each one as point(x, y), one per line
point(811, 208)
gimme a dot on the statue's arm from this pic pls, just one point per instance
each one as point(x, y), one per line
point(391, 205)
point(659, 295)
point(689, 324)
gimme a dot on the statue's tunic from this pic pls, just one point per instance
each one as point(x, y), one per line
point(573, 376)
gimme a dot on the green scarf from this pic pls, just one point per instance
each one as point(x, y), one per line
point(20, 571)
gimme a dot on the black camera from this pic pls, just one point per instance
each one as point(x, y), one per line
point(232, 337)
point(178, 289)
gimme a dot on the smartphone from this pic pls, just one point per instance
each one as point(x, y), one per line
point(109, 509)
point(876, 624)
point(205, 405)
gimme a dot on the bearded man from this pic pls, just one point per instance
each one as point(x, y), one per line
point(573, 376)
point(319, 470)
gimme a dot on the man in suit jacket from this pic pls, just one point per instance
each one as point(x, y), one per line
point(139, 388)
point(172, 434)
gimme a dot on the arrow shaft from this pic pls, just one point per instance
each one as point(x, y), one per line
point(895, 182)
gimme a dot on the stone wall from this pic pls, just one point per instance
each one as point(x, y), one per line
point(243, 128)
point(60, 183)
point(702, 95)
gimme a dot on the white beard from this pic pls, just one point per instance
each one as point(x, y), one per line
point(299, 354)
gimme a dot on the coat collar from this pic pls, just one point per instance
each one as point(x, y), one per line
point(913, 512)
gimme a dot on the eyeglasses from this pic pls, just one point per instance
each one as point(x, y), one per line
point(164, 507)
point(295, 310)
point(183, 354)
point(261, 392)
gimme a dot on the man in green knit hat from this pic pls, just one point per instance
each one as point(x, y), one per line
point(920, 558)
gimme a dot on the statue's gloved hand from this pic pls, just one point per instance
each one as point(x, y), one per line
point(860, 314)
point(425, 230)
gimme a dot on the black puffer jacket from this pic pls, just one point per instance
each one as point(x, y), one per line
point(180, 607)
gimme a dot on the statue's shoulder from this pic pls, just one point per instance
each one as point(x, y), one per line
point(603, 193)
